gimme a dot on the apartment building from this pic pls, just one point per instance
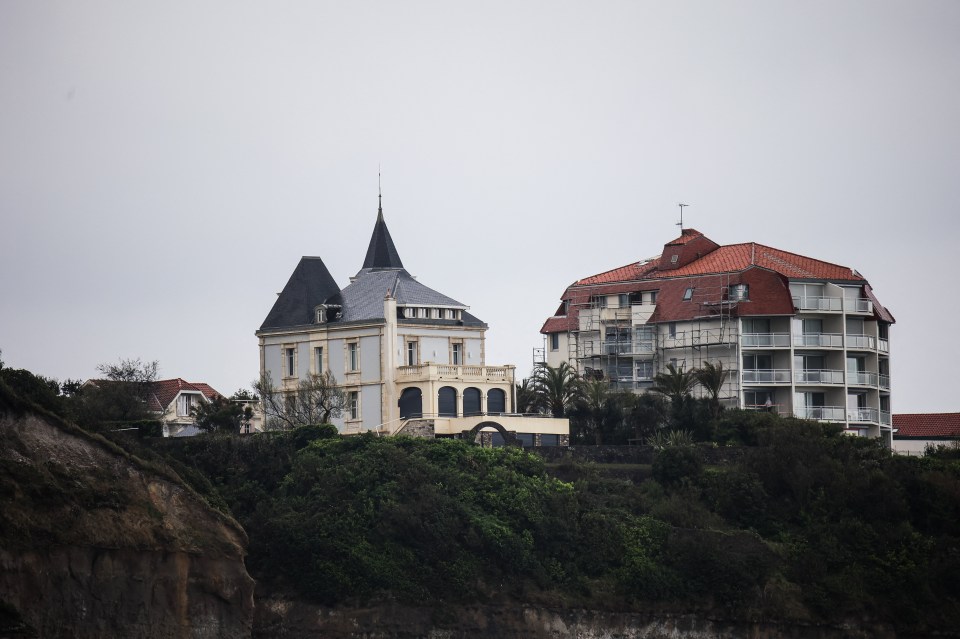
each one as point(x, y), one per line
point(410, 360)
point(800, 336)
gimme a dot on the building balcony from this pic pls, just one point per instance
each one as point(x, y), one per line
point(433, 372)
point(883, 345)
point(819, 304)
point(766, 376)
point(765, 340)
point(618, 348)
point(884, 381)
point(859, 415)
point(862, 305)
point(862, 342)
point(815, 376)
point(863, 378)
point(822, 413)
point(818, 340)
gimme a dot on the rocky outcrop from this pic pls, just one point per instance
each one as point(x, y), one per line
point(96, 543)
point(296, 620)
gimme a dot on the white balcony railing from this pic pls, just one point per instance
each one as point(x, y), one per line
point(766, 376)
point(819, 376)
point(811, 303)
point(884, 382)
point(644, 346)
point(861, 305)
point(885, 418)
point(862, 378)
point(822, 413)
point(863, 415)
point(466, 373)
point(819, 340)
point(861, 341)
point(765, 340)
point(883, 345)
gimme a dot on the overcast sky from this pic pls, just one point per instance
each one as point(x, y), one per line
point(164, 165)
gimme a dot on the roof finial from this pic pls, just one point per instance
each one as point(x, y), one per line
point(379, 195)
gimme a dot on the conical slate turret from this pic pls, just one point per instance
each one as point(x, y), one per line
point(381, 254)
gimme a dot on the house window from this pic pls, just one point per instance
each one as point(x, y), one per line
point(290, 361)
point(554, 341)
point(456, 351)
point(653, 297)
point(422, 313)
point(599, 301)
point(353, 405)
point(353, 357)
point(411, 353)
point(321, 315)
point(673, 330)
point(184, 405)
point(740, 292)
point(623, 300)
point(688, 295)
point(674, 258)
point(883, 330)
point(318, 359)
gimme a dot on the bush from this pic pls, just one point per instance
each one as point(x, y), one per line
point(674, 464)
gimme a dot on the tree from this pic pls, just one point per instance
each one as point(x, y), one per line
point(244, 394)
point(712, 378)
point(316, 400)
point(528, 399)
point(123, 396)
point(223, 415)
point(131, 370)
point(558, 387)
point(675, 383)
point(597, 410)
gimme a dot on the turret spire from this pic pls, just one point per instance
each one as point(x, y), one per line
point(381, 254)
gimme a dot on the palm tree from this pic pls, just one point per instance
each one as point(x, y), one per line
point(712, 377)
point(595, 394)
point(528, 399)
point(675, 384)
point(558, 387)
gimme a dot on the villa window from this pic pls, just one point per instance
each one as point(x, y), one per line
point(353, 357)
point(672, 327)
point(643, 369)
point(321, 315)
point(599, 301)
point(411, 353)
point(456, 354)
point(290, 361)
point(554, 341)
point(353, 405)
point(318, 359)
point(623, 300)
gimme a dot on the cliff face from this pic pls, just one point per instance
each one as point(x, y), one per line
point(95, 543)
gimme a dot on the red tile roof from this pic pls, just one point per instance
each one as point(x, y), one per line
point(165, 391)
point(926, 425)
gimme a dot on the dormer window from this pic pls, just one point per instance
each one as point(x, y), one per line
point(688, 294)
point(674, 258)
point(321, 315)
point(740, 292)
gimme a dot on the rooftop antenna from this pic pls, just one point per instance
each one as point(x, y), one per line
point(379, 193)
point(680, 223)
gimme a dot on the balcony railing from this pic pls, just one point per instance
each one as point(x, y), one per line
point(819, 376)
point(883, 345)
point(804, 303)
point(863, 415)
point(766, 376)
point(617, 348)
point(861, 305)
point(862, 378)
point(644, 346)
point(819, 340)
point(822, 413)
point(861, 341)
point(884, 382)
point(885, 418)
point(466, 373)
point(765, 340)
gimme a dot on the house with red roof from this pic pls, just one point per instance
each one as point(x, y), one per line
point(913, 432)
point(800, 336)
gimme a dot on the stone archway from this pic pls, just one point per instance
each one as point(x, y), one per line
point(509, 439)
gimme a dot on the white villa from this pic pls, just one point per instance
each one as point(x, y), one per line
point(410, 359)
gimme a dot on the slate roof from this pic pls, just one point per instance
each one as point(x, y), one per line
point(926, 425)
point(310, 285)
point(362, 300)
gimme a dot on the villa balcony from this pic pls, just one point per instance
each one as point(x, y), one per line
point(434, 372)
point(822, 413)
point(765, 340)
point(818, 340)
point(862, 342)
point(766, 376)
point(819, 304)
point(864, 378)
point(814, 376)
point(862, 306)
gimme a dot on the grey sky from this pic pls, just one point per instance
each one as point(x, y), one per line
point(163, 166)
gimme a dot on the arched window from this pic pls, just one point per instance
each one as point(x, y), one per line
point(471, 401)
point(411, 403)
point(447, 402)
point(496, 401)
